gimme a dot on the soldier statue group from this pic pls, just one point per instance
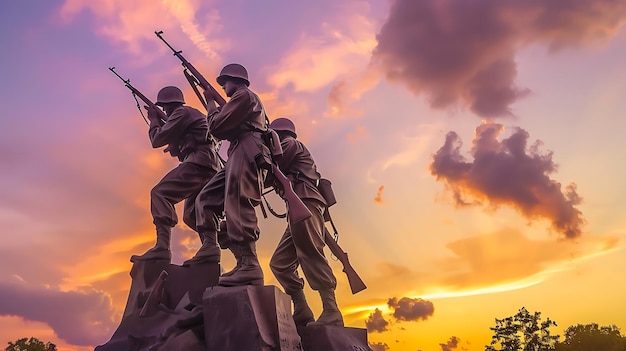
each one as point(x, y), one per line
point(221, 196)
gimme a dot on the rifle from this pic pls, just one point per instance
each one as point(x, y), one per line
point(137, 93)
point(356, 283)
point(155, 296)
point(297, 210)
point(193, 75)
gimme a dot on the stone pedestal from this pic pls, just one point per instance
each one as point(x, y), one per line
point(333, 339)
point(154, 307)
point(251, 318)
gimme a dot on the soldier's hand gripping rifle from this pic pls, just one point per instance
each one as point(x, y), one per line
point(193, 75)
point(137, 94)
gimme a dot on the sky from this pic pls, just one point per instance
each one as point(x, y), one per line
point(475, 149)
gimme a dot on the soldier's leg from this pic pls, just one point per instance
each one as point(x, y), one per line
point(178, 184)
point(284, 265)
point(208, 203)
point(204, 175)
point(308, 238)
point(242, 195)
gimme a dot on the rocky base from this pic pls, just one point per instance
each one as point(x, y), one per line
point(176, 308)
point(158, 303)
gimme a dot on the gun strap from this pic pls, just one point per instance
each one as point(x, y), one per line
point(261, 177)
point(139, 108)
point(269, 208)
point(194, 85)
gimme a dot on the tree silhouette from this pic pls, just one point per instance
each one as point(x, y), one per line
point(32, 344)
point(523, 332)
point(591, 337)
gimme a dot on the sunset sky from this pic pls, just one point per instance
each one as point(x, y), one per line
point(476, 149)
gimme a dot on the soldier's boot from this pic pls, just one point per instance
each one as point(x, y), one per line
point(330, 313)
point(237, 253)
point(249, 272)
point(161, 250)
point(208, 252)
point(302, 314)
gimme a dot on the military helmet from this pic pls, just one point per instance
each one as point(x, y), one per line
point(285, 125)
point(233, 70)
point(170, 94)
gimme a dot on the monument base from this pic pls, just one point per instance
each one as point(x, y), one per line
point(332, 338)
point(159, 302)
point(251, 318)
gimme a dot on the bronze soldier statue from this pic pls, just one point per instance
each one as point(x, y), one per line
point(185, 132)
point(236, 189)
point(302, 243)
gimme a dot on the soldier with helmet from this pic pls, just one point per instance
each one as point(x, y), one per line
point(236, 189)
point(302, 243)
point(185, 133)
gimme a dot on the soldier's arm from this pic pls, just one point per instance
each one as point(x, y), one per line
point(171, 131)
point(290, 150)
point(232, 115)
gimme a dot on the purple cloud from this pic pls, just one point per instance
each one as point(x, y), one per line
point(508, 172)
point(409, 309)
point(463, 52)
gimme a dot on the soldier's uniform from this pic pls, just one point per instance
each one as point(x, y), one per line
point(235, 190)
point(185, 134)
point(302, 243)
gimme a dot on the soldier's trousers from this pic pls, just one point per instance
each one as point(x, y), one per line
point(181, 183)
point(302, 245)
point(234, 192)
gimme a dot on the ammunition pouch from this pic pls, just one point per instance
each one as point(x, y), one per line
point(325, 188)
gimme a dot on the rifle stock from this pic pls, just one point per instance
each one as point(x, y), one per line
point(355, 281)
point(199, 78)
point(296, 209)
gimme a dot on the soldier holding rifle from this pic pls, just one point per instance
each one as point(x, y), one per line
point(184, 130)
point(235, 190)
point(302, 243)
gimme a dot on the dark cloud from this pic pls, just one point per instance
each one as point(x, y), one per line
point(80, 317)
point(463, 52)
point(378, 199)
point(379, 346)
point(451, 345)
point(376, 322)
point(409, 309)
point(508, 173)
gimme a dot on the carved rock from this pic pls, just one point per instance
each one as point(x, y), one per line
point(331, 338)
point(181, 308)
point(154, 308)
point(251, 318)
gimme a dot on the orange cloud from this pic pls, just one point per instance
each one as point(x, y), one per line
point(508, 258)
point(337, 56)
point(378, 199)
point(360, 134)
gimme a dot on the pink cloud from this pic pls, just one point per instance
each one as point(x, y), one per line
point(80, 317)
